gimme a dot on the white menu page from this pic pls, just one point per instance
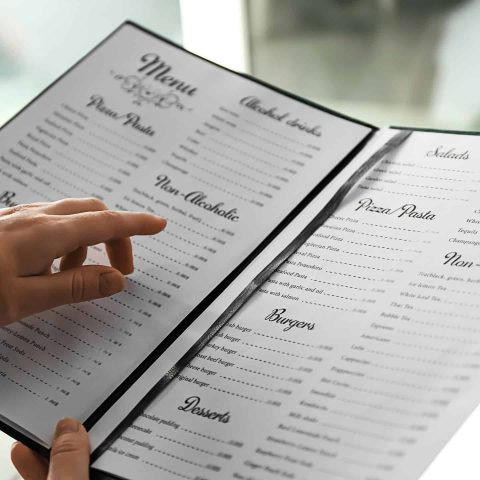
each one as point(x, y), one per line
point(143, 125)
point(357, 360)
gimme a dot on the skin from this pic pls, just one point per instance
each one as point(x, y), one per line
point(69, 457)
point(31, 238)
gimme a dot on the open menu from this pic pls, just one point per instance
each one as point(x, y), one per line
point(358, 358)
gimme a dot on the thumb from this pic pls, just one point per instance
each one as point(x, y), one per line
point(70, 454)
point(70, 286)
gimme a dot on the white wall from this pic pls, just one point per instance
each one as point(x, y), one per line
point(39, 39)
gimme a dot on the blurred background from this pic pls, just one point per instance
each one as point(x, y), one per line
point(402, 62)
point(388, 62)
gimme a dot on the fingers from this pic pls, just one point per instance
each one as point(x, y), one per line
point(30, 466)
point(119, 250)
point(91, 228)
point(70, 286)
point(120, 254)
point(70, 454)
point(70, 206)
point(19, 208)
point(74, 259)
point(69, 457)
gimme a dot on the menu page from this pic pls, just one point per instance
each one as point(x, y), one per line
point(358, 359)
point(143, 125)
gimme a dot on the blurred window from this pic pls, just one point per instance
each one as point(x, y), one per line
point(40, 39)
point(403, 62)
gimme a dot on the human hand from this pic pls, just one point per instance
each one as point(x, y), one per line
point(33, 236)
point(69, 457)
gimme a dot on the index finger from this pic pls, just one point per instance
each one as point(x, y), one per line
point(90, 228)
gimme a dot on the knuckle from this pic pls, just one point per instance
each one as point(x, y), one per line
point(77, 287)
point(111, 214)
point(94, 203)
point(113, 219)
point(32, 219)
point(64, 203)
point(41, 219)
point(21, 210)
point(26, 206)
point(40, 223)
point(18, 209)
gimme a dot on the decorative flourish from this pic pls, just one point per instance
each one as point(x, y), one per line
point(143, 94)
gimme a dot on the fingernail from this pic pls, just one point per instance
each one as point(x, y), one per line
point(67, 425)
point(111, 283)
